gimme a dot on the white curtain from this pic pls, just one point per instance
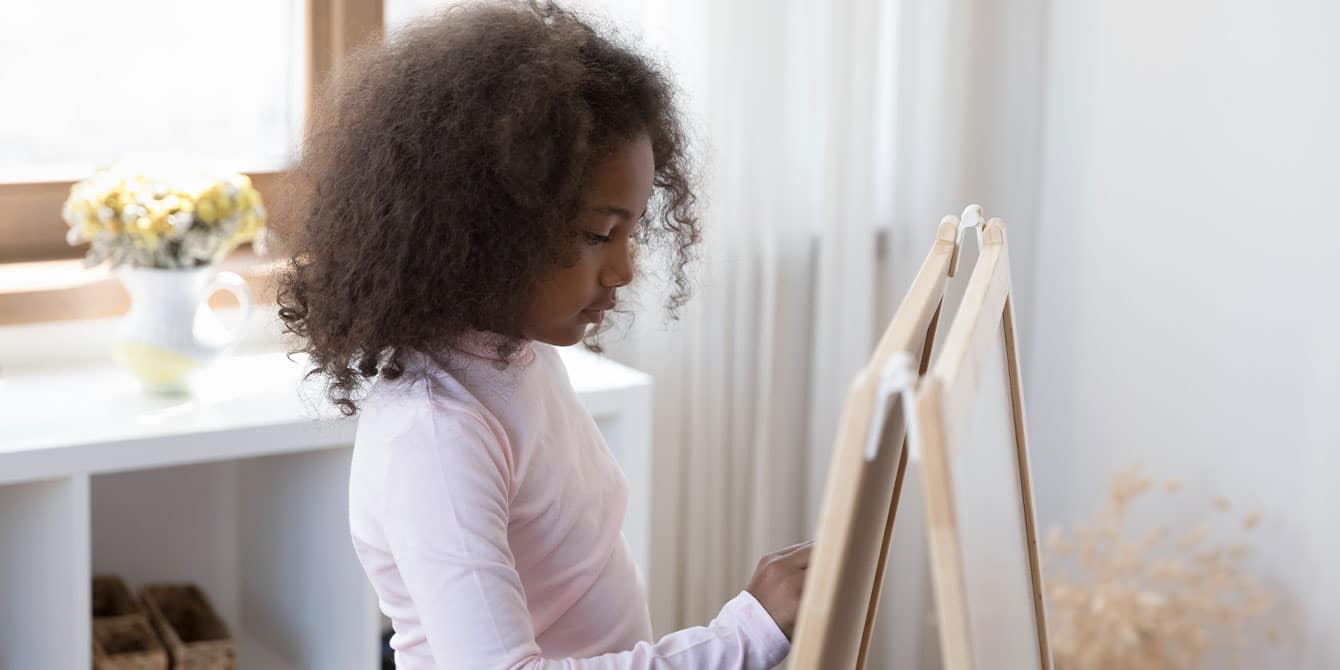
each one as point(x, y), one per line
point(835, 136)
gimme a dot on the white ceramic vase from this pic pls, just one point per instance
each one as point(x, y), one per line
point(170, 333)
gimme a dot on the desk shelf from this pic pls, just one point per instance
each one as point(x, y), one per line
point(242, 489)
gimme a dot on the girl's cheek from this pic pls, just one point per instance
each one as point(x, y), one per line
point(594, 261)
point(595, 256)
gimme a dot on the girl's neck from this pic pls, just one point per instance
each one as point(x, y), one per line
point(485, 344)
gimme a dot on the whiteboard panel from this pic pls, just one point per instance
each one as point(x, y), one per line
point(992, 531)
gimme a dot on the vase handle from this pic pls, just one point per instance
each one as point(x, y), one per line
point(234, 284)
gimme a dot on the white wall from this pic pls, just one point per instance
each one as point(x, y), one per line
point(1186, 279)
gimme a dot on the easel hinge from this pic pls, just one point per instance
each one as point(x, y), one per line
point(972, 217)
point(898, 379)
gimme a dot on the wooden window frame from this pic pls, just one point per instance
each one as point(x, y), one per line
point(41, 276)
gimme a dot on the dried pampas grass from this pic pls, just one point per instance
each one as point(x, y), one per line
point(1156, 600)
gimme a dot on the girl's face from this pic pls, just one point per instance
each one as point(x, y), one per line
point(568, 300)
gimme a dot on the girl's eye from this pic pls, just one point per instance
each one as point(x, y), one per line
point(594, 239)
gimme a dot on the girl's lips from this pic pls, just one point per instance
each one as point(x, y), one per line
point(595, 313)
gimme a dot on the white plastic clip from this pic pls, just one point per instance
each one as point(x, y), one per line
point(897, 379)
point(972, 218)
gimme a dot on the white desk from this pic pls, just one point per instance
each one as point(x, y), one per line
point(242, 489)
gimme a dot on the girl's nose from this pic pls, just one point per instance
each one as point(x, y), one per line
point(619, 269)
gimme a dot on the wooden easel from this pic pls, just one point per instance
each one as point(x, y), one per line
point(846, 573)
point(851, 545)
point(985, 568)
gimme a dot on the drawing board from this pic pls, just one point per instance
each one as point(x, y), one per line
point(846, 572)
point(971, 430)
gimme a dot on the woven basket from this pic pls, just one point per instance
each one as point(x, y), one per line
point(195, 637)
point(111, 598)
point(127, 643)
point(122, 637)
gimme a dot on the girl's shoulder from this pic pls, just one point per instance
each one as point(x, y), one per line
point(413, 426)
point(425, 397)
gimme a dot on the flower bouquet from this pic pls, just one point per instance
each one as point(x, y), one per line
point(147, 221)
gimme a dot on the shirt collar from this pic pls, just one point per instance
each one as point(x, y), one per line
point(484, 344)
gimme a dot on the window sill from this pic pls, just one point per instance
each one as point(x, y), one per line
point(62, 290)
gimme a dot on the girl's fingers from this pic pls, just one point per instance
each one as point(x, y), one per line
point(802, 557)
point(797, 554)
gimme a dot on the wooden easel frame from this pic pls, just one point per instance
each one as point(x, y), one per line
point(869, 457)
point(945, 403)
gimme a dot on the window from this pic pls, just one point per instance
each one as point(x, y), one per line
point(88, 82)
point(398, 12)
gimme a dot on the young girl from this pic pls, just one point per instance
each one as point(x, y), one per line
point(469, 199)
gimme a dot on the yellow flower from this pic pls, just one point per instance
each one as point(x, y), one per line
point(119, 208)
point(247, 230)
point(206, 211)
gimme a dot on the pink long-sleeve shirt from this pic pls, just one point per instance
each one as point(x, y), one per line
point(487, 512)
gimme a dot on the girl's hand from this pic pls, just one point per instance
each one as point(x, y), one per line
point(778, 581)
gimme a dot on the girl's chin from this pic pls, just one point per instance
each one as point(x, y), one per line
point(574, 331)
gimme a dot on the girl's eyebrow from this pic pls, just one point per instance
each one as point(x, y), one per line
point(617, 211)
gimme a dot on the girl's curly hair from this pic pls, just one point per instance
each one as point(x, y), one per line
point(440, 178)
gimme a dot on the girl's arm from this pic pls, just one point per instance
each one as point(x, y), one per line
point(447, 494)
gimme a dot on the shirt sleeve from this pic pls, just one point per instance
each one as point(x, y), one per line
point(447, 497)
